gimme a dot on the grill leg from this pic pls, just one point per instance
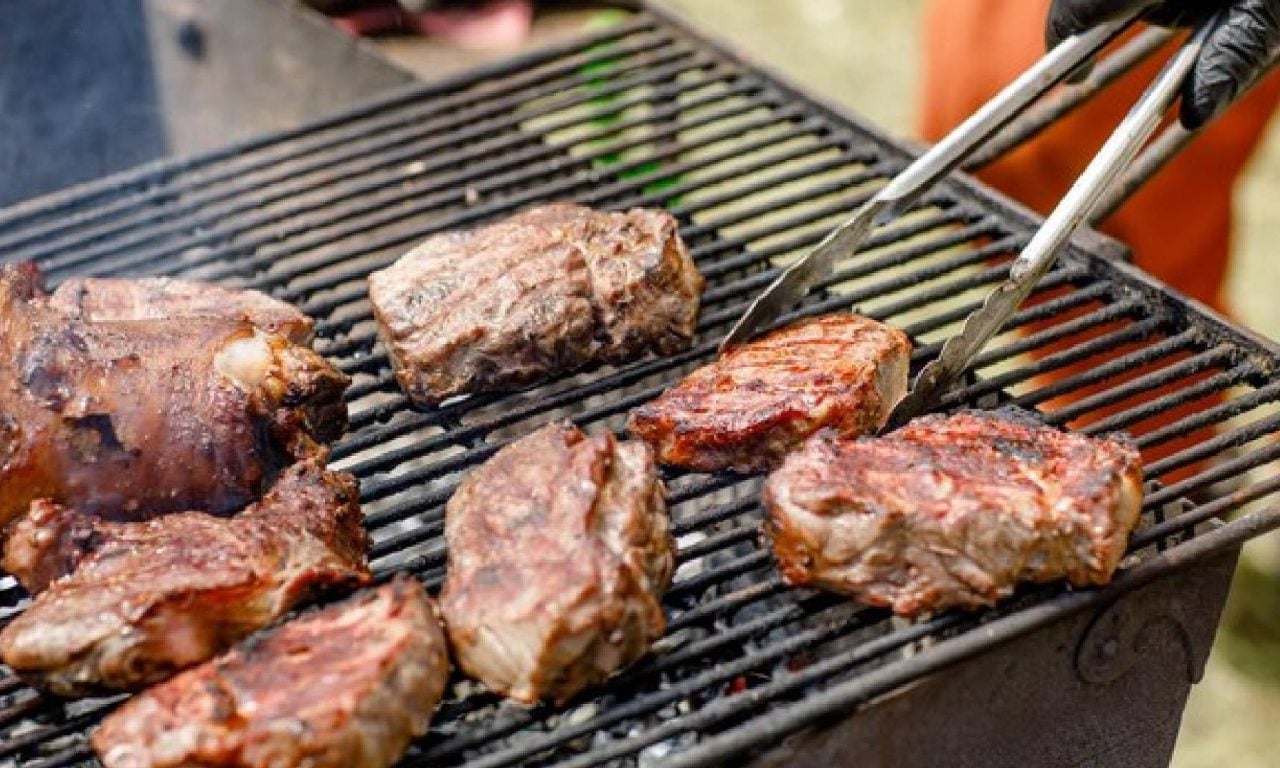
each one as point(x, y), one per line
point(1104, 688)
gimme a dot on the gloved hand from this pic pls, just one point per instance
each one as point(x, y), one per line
point(1240, 45)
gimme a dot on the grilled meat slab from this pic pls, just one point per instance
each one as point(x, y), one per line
point(756, 402)
point(953, 510)
point(96, 299)
point(126, 604)
point(541, 293)
point(344, 687)
point(150, 416)
point(559, 549)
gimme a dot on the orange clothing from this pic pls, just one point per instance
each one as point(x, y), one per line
point(1178, 225)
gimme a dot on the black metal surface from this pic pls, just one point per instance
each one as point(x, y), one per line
point(647, 113)
point(1104, 687)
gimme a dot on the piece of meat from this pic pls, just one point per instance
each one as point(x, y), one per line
point(539, 294)
point(127, 604)
point(559, 549)
point(345, 687)
point(126, 418)
point(97, 299)
point(953, 510)
point(745, 410)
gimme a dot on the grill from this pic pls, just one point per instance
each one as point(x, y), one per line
point(648, 113)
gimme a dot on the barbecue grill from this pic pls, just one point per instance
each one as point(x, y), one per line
point(648, 112)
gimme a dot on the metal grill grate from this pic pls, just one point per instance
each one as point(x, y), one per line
point(647, 113)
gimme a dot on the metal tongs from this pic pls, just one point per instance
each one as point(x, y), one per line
point(931, 167)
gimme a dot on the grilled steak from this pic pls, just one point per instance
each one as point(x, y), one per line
point(538, 294)
point(747, 409)
point(127, 604)
point(953, 510)
point(150, 416)
point(559, 548)
point(344, 687)
point(93, 299)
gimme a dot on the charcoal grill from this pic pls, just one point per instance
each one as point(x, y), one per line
point(647, 112)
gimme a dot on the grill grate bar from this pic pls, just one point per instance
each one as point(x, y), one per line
point(1181, 524)
point(74, 756)
point(452, 189)
point(1219, 472)
point(743, 214)
point(358, 293)
point(341, 299)
point(620, 379)
point(735, 705)
point(1029, 342)
point(1201, 451)
point(1216, 415)
point(418, 505)
point(623, 378)
point(1214, 384)
point(305, 284)
point(383, 486)
point(399, 455)
point(1101, 344)
point(1111, 368)
point(651, 703)
point(402, 166)
point(363, 157)
point(1036, 312)
point(20, 709)
point(1166, 375)
point(337, 147)
point(747, 257)
point(157, 180)
point(717, 318)
point(808, 605)
point(709, 610)
point(17, 744)
point(557, 188)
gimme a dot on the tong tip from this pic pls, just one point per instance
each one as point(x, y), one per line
point(767, 307)
point(741, 332)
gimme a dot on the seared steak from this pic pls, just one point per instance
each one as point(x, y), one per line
point(345, 687)
point(96, 299)
point(536, 295)
point(127, 604)
point(150, 416)
point(559, 548)
point(747, 409)
point(953, 510)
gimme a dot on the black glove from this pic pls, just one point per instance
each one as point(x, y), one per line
point(1239, 47)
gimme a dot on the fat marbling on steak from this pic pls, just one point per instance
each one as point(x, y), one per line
point(541, 293)
point(559, 550)
point(953, 510)
point(345, 687)
point(122, 605)
point(105, 299)
point(745, 410)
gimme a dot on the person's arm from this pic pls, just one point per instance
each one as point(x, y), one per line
point(1241, 45)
